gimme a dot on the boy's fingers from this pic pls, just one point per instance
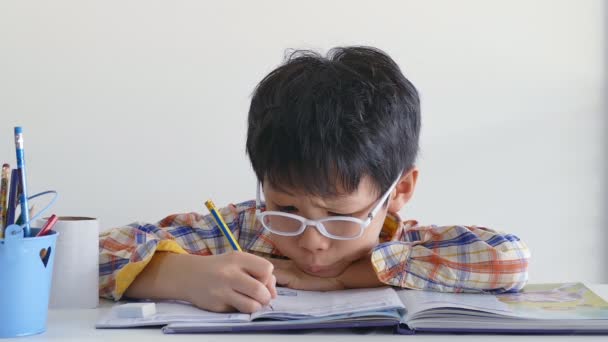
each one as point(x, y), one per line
point(258, 267)
point(272, 286)
point(252, 288)
point(243, 303)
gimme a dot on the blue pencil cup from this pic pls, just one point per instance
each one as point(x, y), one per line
point(26, 270)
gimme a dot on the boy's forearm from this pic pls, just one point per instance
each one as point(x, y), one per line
point(161, 279)
point(360, 274)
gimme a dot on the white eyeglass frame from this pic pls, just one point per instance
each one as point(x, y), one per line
point(318, 224)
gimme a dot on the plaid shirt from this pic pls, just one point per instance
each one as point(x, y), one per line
point(450, 258)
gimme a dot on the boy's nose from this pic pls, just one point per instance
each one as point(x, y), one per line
point(312, 240)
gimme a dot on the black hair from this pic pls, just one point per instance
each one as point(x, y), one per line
point(318, 124)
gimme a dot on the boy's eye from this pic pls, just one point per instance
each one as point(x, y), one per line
point(288, 209)
point(340, 214)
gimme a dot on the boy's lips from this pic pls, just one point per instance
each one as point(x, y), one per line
point(316, 268)
point(319, 270)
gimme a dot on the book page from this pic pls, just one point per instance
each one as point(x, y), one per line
point(168, 312)
point(538, 301)
point(418, 301)
point(556, 301)
point(294, 304)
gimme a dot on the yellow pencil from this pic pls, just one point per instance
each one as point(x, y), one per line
point(3, 193)
point(223, 226)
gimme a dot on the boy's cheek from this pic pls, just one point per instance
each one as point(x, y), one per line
point(372, 234)
point(285, 245)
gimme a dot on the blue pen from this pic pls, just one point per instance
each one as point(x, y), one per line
point(21, 165)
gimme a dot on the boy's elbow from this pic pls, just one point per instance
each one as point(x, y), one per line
point(516, 284)
point(515, 261)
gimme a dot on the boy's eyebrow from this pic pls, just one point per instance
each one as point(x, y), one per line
point(283, 191)
point(287, 192)
point(292, 194)
point(332, 204)
point(332, 207)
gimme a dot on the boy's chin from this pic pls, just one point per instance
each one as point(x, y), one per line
point(323, 272)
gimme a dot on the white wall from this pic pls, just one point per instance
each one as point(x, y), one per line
point(126, 104)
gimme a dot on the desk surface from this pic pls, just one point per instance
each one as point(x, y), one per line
point(78, 325)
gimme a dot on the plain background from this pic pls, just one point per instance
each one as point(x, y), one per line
point(133, 110)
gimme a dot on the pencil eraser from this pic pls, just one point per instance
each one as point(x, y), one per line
point(136, 310)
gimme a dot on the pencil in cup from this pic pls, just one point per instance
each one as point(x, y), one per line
point(223, 226)
point(21, 166)
point(6, 169)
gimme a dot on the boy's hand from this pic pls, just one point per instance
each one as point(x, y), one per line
point(289, 275)
point(230, 281)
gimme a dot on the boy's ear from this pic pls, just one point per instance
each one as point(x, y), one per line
point(403, 191)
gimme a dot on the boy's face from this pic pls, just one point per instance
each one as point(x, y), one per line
point(319, 255)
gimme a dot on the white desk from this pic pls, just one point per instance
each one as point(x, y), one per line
point(78, 325)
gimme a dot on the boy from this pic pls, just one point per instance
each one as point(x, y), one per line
point(333, 141)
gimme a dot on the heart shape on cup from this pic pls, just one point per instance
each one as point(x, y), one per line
point(45, 254)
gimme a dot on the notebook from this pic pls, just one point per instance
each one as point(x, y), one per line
point(564, 308)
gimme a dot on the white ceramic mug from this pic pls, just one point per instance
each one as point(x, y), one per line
point(76, 270)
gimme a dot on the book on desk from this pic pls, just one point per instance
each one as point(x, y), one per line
point(565, 308)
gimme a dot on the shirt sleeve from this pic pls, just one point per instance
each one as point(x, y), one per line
point(453, 259)
point(125, 251)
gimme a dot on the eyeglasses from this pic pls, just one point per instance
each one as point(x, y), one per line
point(333, 227)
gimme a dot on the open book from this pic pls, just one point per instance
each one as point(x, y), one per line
point(539, 308)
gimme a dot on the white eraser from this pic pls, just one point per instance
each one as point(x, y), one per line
point(136, 310)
